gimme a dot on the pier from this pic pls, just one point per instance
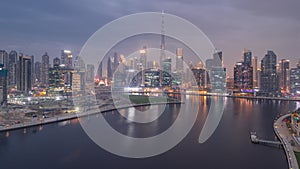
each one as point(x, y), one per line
point(256, 140)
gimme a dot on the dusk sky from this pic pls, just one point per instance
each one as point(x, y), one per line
point(34, 27)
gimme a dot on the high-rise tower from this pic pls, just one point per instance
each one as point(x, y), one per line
point(38, 72)
point(25, 73)
point(3, 85)
point(4, 58)
point(109, 69)
point(67, 58)
point(247, 54)
point(255, 71)
point(162, 47)
point(269, 77)
point(179, 60)
point(12, 70)
point(284, 66)
point(45, 70)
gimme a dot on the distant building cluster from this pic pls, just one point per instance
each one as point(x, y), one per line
point(21, 75)
point(271, 79)
point(68, 75)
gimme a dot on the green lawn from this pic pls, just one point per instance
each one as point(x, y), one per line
point(138, 99)
point(298, 157)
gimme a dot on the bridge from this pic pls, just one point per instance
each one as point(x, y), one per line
point(256, 140)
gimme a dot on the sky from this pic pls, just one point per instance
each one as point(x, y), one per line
point(34, 27)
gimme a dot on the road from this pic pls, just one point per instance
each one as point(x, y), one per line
point(285, 137)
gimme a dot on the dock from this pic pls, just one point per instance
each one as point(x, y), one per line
point(256, 140)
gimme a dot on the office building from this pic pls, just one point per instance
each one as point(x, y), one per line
point(216, 73)
point(12, 70)
point(56, 62)
point(243, 77)
point(45, 70)
point(166, 73)
point(269, 84)
point(152, 77)
point(67, 59)
point(218, 59)
point(25, 73)
point(3, 84)
point(218, 80)
point(56, 78)
point(284, 68)
point(38, 72)
point(247, 54)
point(243, 73)
point(255, 72)
point(143, 63)
point(295, 80)
point(199, 75)
point(90, 72)
point(4, 58)
point(109, 69)
point(179, 60)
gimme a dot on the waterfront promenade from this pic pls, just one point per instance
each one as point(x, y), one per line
point(285, 138)
point(69, 116)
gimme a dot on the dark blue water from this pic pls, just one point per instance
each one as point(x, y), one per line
point(66, 146)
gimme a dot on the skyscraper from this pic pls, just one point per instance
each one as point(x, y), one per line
point(90, 72)
point(247, 57)
point(179, 60)
point(166, 73)
point(269, 77)
point(143, 58)
point(218, 79)
point(200, 76)
point(143, 63)
point(67, 58)
point(109, 69)
point(4, 58)
point(38, 71)
point(45, 70)
point(3, 84)
point(162, 41)
point(25, 73)
point(12, 70)
point(243, 73)
point(238, 76)
point(79, 76)
point(116, 62)
point(248, 69)
point(255, 71)
point(162, 49)
point(56, 62)
point(152, 78)
point(216, 73)
point(56, 78)
point(295, 80)
point(218, 58)
point(284, 67)
point(243, 77)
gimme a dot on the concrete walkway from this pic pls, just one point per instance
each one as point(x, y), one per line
point(69, 116)
point(285, 137)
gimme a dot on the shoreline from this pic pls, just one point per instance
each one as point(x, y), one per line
point(288, 149)
point(65, 117)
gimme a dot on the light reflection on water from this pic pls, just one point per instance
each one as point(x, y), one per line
point(229, 145)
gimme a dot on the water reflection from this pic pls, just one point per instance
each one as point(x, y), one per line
point(229, 145)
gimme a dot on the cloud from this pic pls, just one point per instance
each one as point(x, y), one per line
point(230, 24)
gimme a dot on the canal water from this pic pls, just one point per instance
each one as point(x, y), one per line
point(65, 145)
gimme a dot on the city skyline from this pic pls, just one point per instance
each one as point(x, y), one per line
point(145, 84)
